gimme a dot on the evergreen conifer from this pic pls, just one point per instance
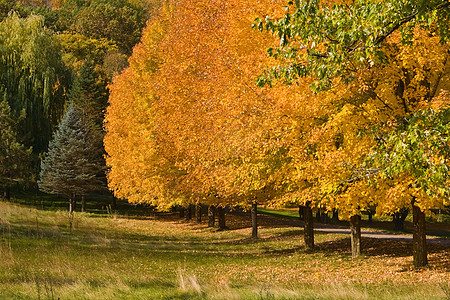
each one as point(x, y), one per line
point(74, 162)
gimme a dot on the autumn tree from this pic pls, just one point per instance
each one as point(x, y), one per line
point(381, 63)
point(138, 172)
point(205, 118)
point(220, 135)
point(417, 151)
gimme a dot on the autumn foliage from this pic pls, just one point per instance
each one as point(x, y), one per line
point(186, 122)
point(204, 122)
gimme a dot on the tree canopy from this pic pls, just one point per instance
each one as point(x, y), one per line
point(14, 157)
point(329, 39)
point(32, 76)
point(200, 108)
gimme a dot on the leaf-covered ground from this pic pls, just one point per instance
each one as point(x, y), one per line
point(164, 257)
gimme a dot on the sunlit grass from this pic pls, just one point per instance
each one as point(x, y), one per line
point(48, 255)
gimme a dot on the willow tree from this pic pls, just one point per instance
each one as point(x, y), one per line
point(14, 157)
point(382, 62)
point(32, 76)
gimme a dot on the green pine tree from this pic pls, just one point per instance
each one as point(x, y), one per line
point(89, 93)
point(14, 157)
point(74, 162)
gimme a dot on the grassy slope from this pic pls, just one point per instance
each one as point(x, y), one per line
point(164, 258)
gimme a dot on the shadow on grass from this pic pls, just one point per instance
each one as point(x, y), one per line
point(97, 204)
point(439, 256)
point(377, 247)
point(122, 238)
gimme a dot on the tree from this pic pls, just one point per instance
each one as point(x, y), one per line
point(211, 144)
point(115, 20)
point(89, 94)
point(78, 48)
point(138, 171)
point(71, 165)
point(382, 62)
point(331, 39)
point(14, 157)
point(418, 151)
point(6, 6)
point(32, 77)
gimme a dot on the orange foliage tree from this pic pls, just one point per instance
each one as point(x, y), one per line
point(206, 117)
point(185, 120)
point(381, 70)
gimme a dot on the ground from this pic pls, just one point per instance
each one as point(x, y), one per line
point(49, 255)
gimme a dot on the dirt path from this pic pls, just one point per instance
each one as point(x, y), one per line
point(376, 233)
point(382, 235)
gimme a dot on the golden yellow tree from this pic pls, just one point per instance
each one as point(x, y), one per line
point(377, 79)
point(205, 118)
point(137, 170)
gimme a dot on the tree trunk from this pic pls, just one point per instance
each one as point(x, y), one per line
point(72, 203)
point(419, 238)
point(181, 211)
point(192, 210)
point(318, 216)
point(221, 215)
point(198, 212)
point(189, 212)
point(7, 194)
point(399, 219)
point(335, 215)
point(301, 212)
point(308, 228)
point(211, 216)
point(114, 202)
point(355, 229)
point(254, 214)
point(370, 214)
point(324, 217)
point(83, 203)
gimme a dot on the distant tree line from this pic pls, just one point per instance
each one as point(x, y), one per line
point(56, 59)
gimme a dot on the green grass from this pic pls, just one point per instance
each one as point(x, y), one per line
point(45, 254)
point(284, 213)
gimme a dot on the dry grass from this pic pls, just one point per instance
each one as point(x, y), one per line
point(163, 257)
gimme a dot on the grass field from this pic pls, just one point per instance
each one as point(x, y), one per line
point(45, 254)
